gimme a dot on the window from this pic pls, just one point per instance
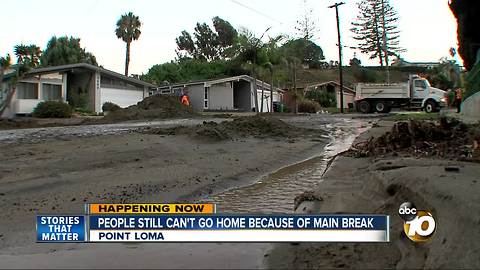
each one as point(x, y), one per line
point(110, 82)
point(27, 90)
point(178, 91)
point(420, 84)
point(52, 91)
point(165, 91)
point(205, 98)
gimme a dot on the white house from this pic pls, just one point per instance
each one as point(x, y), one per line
point(334, 87)
point(96, 85)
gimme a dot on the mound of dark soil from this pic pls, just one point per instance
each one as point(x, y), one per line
point(157, 106)
point(450, 139)
point(254, 126)
point(17, 123)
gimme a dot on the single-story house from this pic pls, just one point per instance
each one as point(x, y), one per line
point(333, 86)
point(90, 85)
point(228, 94)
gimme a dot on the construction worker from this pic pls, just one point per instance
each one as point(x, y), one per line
point(458, 98)
point(452, 98)
point(447, 97)
point(185, 99)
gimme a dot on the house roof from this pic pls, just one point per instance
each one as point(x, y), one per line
point(211, 82)
point(65, 68)
point(348, 89)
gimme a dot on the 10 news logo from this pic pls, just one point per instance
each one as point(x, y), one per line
point(419, 225)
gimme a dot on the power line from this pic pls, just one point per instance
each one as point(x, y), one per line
point(256, 11)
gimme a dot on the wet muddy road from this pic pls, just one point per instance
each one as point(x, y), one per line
point(68, 132)
point(272, 193)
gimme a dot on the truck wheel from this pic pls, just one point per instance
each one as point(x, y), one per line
point(381, 107)
point(364, 106)
point(430, 106)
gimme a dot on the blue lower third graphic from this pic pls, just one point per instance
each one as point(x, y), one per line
point(60, 228)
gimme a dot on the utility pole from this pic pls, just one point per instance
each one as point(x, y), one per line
point(339, 53)
point(385, 42)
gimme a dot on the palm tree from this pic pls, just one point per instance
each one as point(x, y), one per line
point(270, 67)
point(5, 62)
point(28, 55)
point(34, 54)
point(128, 29)
point(21, 52)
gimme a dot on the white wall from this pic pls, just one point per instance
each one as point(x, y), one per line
point(221, 97)
point(470, 109)
point(121, 97)
point(196, 95)
point(347, 98)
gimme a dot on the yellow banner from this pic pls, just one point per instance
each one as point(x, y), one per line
point(150, 208)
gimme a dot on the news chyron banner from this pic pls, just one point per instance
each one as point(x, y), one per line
point(201, 223)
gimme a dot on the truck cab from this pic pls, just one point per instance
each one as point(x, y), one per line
point(424, 96)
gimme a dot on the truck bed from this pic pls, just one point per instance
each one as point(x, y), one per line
point(382, 91)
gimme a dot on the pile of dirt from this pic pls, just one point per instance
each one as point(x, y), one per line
point(447, 138)
point(17, 123)
point(157, 106)
point(28, 122)
point(252, 126)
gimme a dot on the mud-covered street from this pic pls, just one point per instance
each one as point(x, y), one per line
point(302, 166)
point(57, 170)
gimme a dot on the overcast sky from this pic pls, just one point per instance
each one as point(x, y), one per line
point(428, 28)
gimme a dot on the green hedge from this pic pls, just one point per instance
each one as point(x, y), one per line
point(52, 109)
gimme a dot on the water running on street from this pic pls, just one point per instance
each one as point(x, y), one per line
point(274, 193)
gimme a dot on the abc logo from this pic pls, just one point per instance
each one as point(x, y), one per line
point(419, 225)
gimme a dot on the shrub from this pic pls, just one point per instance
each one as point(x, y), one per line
point(77, 97)
point(324, 98)
point(110, 107)
point(308, 106)
point(84, 112)
point(52, 109)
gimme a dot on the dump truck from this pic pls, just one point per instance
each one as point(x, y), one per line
point(415, 94)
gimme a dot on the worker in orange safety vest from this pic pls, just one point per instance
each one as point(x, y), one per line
point(458, 98)
point(185, 100)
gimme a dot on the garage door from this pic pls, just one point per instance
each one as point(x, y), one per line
point(121, 97)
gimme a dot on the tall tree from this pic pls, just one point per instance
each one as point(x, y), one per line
point(5, 62)
point(306, 51)
point(253, 51)
point(306, 27)
point(65, 50)
point(128, 30)
point(376, 30)
point(186, 46)
point(208, 44)
point(226, 37)
point(28, 55)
